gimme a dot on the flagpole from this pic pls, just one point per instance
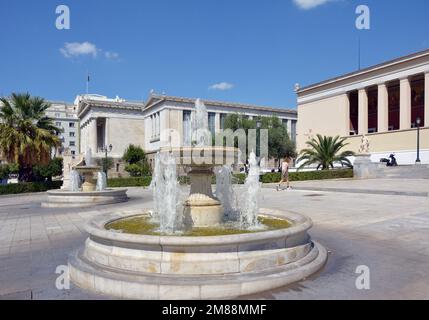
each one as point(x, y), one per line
point(87, 83)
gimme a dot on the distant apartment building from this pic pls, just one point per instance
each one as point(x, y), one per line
point(65, 117)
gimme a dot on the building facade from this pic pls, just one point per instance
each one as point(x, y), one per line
point(384, 102)
point(65, 117)
point(117, 123)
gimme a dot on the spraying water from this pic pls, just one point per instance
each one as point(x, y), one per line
point(200, 126)
point(101, 181)
point(165, 194)
point(88, 157)
point(225, 192)
point(74, 181)
point(250, 210)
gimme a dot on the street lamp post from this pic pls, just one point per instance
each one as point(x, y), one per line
point(418, 121)
point(106, 150)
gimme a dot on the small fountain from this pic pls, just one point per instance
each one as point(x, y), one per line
point(207, 247)
point(93, 191)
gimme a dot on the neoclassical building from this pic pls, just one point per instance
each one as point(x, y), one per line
point(117, 122)
point(383, 102)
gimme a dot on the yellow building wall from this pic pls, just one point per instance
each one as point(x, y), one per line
point(329, 117)
point(393, 141)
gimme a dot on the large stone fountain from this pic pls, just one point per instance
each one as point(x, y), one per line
point(205, 247)
point(91, 192)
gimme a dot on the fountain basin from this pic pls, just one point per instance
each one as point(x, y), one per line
point(79, 199)
point(134, 266)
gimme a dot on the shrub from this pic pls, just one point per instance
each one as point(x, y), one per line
point(29, 187)
point(7, 169)
point(45, 172)
point(134, 154)
point(310, 175)
point(138, 169)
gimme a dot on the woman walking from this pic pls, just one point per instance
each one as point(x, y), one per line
point(285, 175)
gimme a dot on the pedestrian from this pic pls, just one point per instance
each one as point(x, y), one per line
point(285, 175)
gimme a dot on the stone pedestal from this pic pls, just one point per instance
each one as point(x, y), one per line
point(363, 167)
point(202, 206)
point(90, 183)
point(88, 172)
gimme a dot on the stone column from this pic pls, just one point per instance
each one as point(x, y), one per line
point(217, 122)
point(92, 134)
point(106, 132)
point(427, 99)
point(405, 104)
point(363, 112)
point(383, 108)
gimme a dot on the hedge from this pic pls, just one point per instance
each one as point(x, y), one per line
point(29, 187)
point(129, 182)
point(310, 175)
point(241, 178)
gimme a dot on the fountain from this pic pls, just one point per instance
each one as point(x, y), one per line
point(207, 247)
point(91, 192)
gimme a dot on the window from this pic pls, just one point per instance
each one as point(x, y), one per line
point(57, 115)
point(71, 124)
point(58, 124)
point(222, 120)
point(72, 135)
point(155, 121)
point(212, 123)
point(354, 112)
point(187, 128)
point(285, 122)
point(73, 152)
point(293, 130)
point(72, 144)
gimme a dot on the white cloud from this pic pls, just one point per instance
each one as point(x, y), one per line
point(111, 55)
point(309, 4)
point(221, 86)
point(75, 49)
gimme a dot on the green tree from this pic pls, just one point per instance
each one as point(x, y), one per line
point(279, 143)
point(27, 135)
point(325, 152)
point(134, 154)
point(45, 172)
point(137, 161)
point(106, 163)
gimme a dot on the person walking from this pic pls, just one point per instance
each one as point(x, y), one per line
point(285, 175)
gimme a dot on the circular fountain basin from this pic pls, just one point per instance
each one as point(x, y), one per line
point(133, 266)
point(79, 199)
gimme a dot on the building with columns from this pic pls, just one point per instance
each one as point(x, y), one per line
point(117, 122)
point(383, 102)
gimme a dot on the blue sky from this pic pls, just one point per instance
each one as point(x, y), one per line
point(241, 50)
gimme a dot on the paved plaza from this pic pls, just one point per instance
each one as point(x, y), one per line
point(388, 232)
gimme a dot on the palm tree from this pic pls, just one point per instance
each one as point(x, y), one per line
point(27, 135)
point(325, 152)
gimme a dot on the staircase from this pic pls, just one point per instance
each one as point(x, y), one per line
point(403, 172)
